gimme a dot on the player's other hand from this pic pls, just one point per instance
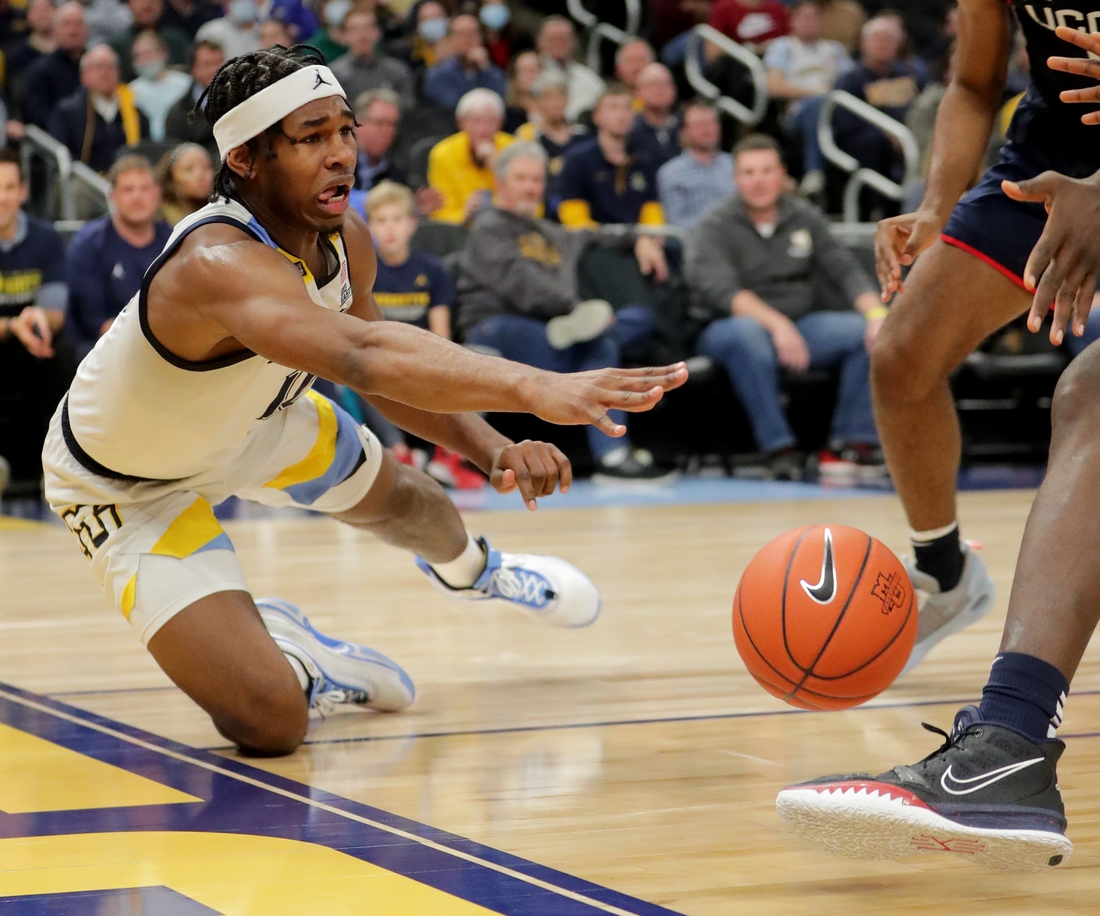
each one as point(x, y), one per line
point(1080, 66)
point(585, 397)
point(898, 241)
point(1065, 263)
point(533, 468)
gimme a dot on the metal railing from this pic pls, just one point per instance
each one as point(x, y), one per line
point(705, 33)
point(861, 176)
point(598, 31)
point(68, 183)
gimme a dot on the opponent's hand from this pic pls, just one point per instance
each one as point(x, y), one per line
point(898, 241)
point(1065, 263)
point(585, 397)
point(790, 346)
point(534, 468)
point(32, 329)
point(1080, 66)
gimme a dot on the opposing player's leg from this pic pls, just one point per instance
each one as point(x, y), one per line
point(991, 791)
point(952, 301)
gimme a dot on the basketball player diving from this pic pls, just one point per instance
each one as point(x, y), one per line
point(200, 391)
point(990, 792)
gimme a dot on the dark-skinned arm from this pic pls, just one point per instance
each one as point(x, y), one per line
point(1065, 263)
point(963, 127)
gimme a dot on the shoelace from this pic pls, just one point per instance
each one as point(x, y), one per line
point(519, 585)
point(326, 701)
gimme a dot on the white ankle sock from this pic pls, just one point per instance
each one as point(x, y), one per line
point(464, 570)
point(927, 537)
point(300, 672)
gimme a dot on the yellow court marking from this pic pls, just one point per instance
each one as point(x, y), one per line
point(38, 775)
point(193, 528)
point(19, 524)
point(234, 874)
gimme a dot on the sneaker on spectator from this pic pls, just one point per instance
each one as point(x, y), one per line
point(629, 464)
point(786, 464)
point(855, 460)
point(5, 473)
point(453, 472)
point(587, 321)
point(410, 457)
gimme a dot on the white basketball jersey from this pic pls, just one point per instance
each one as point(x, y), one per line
point(137, 410)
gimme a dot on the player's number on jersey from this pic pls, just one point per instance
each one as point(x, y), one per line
point(92, 525)
point(295, 385)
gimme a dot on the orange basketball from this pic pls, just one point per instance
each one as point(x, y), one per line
point(825, 617)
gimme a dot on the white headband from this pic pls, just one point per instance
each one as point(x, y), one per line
point(269, 106)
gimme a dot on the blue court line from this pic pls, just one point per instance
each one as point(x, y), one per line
point(610, 723)
point(254, 801)
point(112, 691)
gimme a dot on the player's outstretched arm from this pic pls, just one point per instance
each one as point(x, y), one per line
point(963, 127)
point(247, 296)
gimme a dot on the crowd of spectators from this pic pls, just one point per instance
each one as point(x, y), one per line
point(481, 114)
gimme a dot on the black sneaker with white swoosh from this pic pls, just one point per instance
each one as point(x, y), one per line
point(988, 794)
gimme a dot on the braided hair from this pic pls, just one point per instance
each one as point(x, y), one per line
point(241, 78)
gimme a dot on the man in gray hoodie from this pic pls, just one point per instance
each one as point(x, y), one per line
point(759, 262)
point(517, 293)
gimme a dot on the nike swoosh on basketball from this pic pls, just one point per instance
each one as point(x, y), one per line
point(825, 590)
point(984, 779)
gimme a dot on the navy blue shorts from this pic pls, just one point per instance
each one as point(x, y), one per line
point(988, 224)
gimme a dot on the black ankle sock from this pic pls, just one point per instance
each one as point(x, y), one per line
point(942, 559)
point(1025, 694)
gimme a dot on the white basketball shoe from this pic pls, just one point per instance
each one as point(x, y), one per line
point(342, 672)
point(943, 614)
point(543, 588)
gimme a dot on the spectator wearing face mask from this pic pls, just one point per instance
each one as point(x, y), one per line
point(363, 69)
point(330, 39)
point(237, 32)
point(500, 40)
point(467, 68)
point(156, 88)
point(147, 15)
point(428, 42)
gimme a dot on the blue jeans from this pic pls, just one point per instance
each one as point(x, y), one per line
point(523, 340)
point(1076, 344)
point(804, 122)
point(745, 349)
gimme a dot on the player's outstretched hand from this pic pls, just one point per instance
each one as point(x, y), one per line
point(585, 397)
point(1081, 66)
point(1065, 263)
point(534, 468)
point(898, 241)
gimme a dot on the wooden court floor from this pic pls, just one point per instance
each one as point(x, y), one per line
point(637, 755)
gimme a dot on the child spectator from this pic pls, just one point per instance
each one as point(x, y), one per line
point(413, 287)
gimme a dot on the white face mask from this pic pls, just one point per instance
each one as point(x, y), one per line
point(335, 12)
point(149, 71)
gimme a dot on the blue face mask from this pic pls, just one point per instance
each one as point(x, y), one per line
point(242, 11)
point(432, 30)
point(495, 16)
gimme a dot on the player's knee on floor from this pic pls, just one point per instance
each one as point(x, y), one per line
point(267, 720)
